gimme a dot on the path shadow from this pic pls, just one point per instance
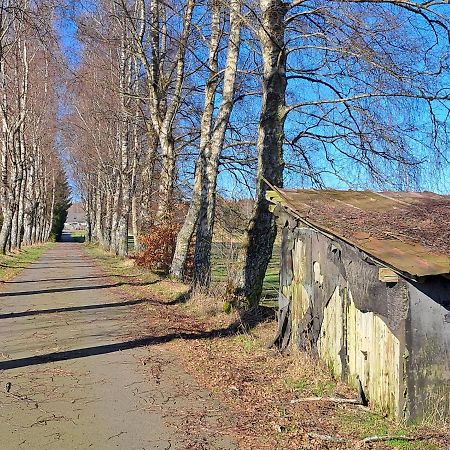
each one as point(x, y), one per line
point(252, 317)
point(61, 264)
point(111, 348)
point(237, 327)
point(65, 263)
point(58, 279)
point(41, 265)
point(85, 266)
point(249, 318)
point(38, 312)
point(181, 298)
point(12, 267)
point(72, 289)
point(77, 239)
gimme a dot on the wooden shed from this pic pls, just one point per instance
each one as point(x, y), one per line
point(365, 285)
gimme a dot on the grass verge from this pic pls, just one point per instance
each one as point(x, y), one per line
point(13, 263)
point(257, 384)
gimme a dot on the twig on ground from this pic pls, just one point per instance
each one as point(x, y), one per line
point(23, 398)
point(327, 399)
point(326, 437)
point(367, 440)
point(387, 438)
point(117, 435)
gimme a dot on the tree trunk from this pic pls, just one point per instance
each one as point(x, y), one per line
point(167, 178)
point(98, 230)
point(164, 102)
point(12, 203)
point(186, 233)
point(115, 215)
point(28, 225)
point(202, 207)
point(15, 189)
point(262, 228)
point(35, 224)
point(106, 243)
point(30, 207)
point(43, 208)
point(21, 211)
point(135, 223)
point(48, 228)
point(122, 235)
point(210, 163)
point(122, 226)
point(13, 234)
point(126, 66)
point(6, 229)
point(136, 181)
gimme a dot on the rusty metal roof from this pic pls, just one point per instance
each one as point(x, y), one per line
point(408, 231)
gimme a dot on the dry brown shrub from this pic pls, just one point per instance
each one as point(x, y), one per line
point(159, 248)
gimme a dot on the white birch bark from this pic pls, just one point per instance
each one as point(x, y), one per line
point(165, 98)
point(187, 230)
point(202, 207)
point(202, 256)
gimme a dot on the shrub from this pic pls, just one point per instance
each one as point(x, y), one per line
point(159, 248)
point(53, 237)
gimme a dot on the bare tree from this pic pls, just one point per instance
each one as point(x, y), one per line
point(352, 61)
point(201, 212)
point(168, 97)
point(29, 162)
point(163, 57)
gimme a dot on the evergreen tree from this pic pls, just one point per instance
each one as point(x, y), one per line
point(61, 206)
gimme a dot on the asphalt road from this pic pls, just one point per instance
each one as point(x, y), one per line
point(75, 373)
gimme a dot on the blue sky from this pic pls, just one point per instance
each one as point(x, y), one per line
point(227, 183)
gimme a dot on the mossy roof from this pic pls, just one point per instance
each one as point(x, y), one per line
point(409, 231)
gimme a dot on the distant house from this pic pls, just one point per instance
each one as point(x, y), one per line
point(76, 217)
point(365, 285)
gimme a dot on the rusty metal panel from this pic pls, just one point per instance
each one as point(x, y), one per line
point(408, 232)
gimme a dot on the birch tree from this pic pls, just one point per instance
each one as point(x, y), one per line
point(304, 93)
point(108, 129)
point(201, 213)
point(29, 161)
point(163, 57)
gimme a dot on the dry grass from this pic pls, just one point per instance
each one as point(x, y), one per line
point(13, 263)
point(231, 358)
point(207, 303)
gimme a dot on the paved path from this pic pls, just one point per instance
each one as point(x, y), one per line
point(72, 360)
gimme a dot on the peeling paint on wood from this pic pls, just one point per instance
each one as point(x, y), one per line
point(368, 324)
point(332, 331)
point(374, 355)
